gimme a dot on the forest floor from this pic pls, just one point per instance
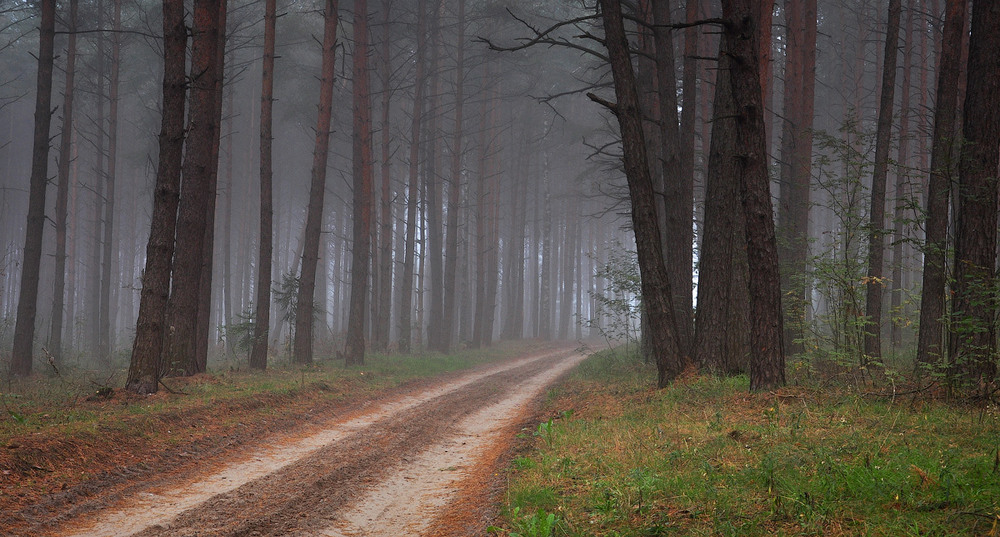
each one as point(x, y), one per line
point(328, 453)
point(704, 456)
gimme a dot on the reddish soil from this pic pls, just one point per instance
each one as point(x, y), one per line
point(423, 460)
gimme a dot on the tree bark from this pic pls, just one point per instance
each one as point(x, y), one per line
point(262, 311)
point(655, 283)
point(454, 191)
point(303, 351)
point(413, 187)
point(932, 303)
point(27, 305)
point(742, 38)
point(62, 190)
point(361, 247)
point(383, 317)
point(145, 366)
point(182, 333)
point(973, 351)
point(875, 283)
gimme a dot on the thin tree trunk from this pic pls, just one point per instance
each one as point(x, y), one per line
point(27, 305)
point(875, 283)
point(383, 318)
point(62, 192)
point(454, 191)
point(110, 245)
point(262, 319)
point(361, 250)
point(413, 187)
point(144, 369)
point(943, 170)
point(901, 198)
point(314, 215)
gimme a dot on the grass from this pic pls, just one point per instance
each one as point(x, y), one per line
point(705, 457)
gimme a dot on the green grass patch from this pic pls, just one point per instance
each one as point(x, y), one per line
point(705, 457)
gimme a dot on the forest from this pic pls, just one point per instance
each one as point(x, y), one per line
point(477, 267)
point(737, 186)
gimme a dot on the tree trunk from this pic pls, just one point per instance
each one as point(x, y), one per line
point(902, 200)
point(145, 367)
point(741, 38)
point(406, 287)
point(182, 334)
point(27, 305)
point(262, 312)
point(723, 317)
point(107, 320)
point(62, 192)
point(435, 234)
point(361, 248)
point(383, 317)
point(875, 283)
point(454, 191)
point(655, 283)
point(973, 351)
point(314, 215)
point(678, 186)
point(796, 159)
point(942, 171)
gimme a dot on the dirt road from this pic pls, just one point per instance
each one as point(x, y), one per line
point(390, 469)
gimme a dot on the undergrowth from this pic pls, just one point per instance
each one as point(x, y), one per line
point(705, 457)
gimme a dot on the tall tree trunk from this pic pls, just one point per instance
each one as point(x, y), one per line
point(361, 249)
point(314, 213)
point(796, 158)
point(973, 350)
point(109, 269)
point(145, 366)
point(204, 324)
point(741, 40)
point(27, 305)
point(902, 200)
point(545, 281)
point(943, 170)
point(678, 185)
point(723, 317)
point(383, 317)
point(875, 283)
point(413, 187)
point(97, 273)
point(454, 191)
point(62, 192)
point(435, 234)
point(262, 311)
point(196, 188)
point(655, 283)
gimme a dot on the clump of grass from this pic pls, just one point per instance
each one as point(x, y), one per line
point(705, 457)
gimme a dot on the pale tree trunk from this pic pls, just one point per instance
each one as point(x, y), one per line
point(361, 249)
point(900, 194)
point(875, 283)
point(413, 187)
point(27, 305)
point(182, 332)
point(383, 304)
point(145, 367)
point(262, 308)
point(314, 215)
point(973, 350)
point(943, 171)
point(109, 268)
point(655, 283)
point(62, 192)
point(454, 191)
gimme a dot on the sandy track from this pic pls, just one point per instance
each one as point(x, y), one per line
point(384, 471)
